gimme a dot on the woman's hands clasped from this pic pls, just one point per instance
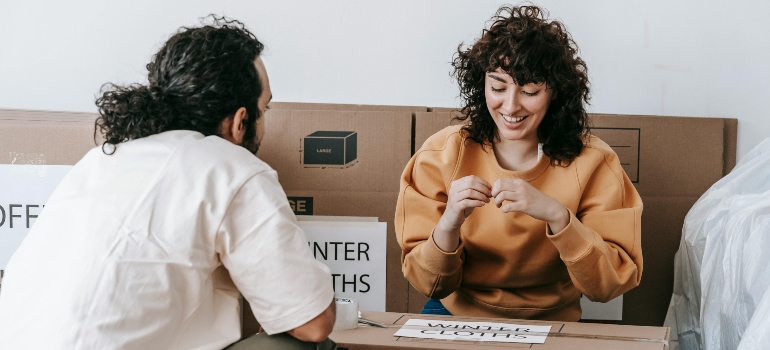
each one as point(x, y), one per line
point(517, 195)
point(510, 195)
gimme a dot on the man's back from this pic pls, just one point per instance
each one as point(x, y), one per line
point(131, 250)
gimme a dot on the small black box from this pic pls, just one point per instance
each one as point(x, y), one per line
point(330, 147)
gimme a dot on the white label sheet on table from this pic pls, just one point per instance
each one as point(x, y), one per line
point(474, 331)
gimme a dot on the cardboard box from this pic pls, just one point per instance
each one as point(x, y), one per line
point(308, 106)
point(443, 109)
point(672, 162)
point(45, 142)
point(428, 123)
point(563, 335)
point(56, 116)
point(367, 186)
point(369, 149)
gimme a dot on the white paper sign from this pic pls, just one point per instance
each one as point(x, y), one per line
point(354, 251)
point(474, 331)
point(24, 190)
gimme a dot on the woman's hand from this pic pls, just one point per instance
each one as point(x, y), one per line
point(517, 195)
point(465, 194)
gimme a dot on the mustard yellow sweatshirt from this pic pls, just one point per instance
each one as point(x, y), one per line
point(511, 265)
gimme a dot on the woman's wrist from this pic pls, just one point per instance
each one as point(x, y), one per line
point(560, 220)
point(446, 237)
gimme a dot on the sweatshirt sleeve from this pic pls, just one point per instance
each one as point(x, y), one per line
point(421, 202)
point(601, 245)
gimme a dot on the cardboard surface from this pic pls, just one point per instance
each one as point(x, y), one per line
point(428, 123)
point(672, 162)
point(307, 106)
point(381, 149)
point(563, 335)
point(23, 114)
point(443, 109)
point(46, 142)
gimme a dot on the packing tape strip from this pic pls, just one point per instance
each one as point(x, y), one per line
point(347, 314)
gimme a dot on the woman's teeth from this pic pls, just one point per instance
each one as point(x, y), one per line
point(511, 119)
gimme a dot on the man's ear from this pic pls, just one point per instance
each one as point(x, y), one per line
point(233, 129)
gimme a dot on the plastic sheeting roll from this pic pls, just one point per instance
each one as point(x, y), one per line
point(347, 314)
point(721, 296)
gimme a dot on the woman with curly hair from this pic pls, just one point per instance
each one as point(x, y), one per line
point(520, 210)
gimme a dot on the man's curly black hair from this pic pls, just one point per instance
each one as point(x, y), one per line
point(199, 77)
point(531, 49)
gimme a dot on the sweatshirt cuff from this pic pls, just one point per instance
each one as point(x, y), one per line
point(574, 241)
point(440, 262)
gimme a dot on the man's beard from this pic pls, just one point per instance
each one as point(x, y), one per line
point(250, 141)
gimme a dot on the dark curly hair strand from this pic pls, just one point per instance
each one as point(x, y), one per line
point(531, 49)
point(198, 78)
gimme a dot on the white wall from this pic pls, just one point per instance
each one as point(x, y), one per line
point(665, 57)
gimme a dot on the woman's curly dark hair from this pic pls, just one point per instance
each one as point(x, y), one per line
point(198, 78)
point(531, 49)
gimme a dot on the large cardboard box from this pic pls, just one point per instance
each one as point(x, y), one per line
point(364, 186)
point(563, 335)
point(308, 106)
point(672, 161)
point(43, 140)
point(358, 151)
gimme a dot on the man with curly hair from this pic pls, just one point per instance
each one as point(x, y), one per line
point(520, 211)
point(151, 238)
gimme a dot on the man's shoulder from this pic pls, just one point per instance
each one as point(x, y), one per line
point(216, 151)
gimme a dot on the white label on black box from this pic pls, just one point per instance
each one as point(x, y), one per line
point(24, 190)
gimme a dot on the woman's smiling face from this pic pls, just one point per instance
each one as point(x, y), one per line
point(516, 110)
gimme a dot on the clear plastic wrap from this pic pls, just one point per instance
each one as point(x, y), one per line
point(721, 294)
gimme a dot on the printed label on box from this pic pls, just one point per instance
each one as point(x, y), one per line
point(301, 205)
point(330, 148)
point(24, 190)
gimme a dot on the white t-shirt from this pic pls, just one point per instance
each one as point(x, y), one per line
point(131, 249)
